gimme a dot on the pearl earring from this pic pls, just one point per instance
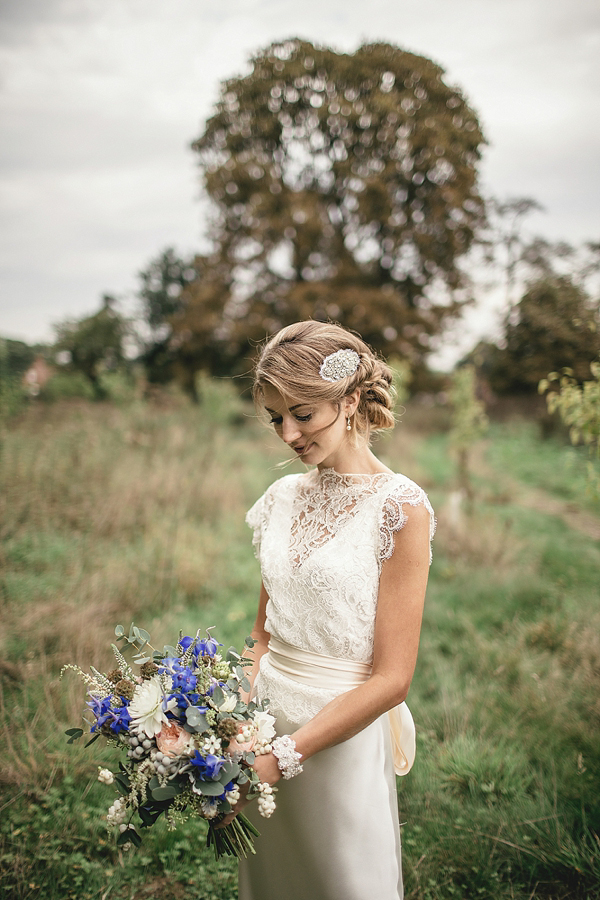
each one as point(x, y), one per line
point(348, 425)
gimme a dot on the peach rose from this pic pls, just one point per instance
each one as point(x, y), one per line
point(173, 740)
point(239, 745)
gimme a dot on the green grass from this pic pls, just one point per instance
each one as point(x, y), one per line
point(135, 511)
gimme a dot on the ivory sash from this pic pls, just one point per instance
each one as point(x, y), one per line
point(330, 673)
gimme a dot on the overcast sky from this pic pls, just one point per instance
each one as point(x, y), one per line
point(100, 99)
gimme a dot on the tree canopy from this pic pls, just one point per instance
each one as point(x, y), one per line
point(554, 326)
point(344, 186)
point(93, 343)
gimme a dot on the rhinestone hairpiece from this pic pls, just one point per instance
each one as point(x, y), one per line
point(338, 365)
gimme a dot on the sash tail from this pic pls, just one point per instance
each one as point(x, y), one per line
point(402, 732)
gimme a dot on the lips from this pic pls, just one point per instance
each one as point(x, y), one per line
point(301, 449)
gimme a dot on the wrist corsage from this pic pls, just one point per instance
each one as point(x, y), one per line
point(288, 758)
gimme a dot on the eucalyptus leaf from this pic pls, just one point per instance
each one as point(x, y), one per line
point(94, 738)
point(168, 650)
point(245, 684)
point(230, 771)
point(196, 719)
point(249, 642)
point(209, 788)
point(75, 734)
point(218, 696)
point(232, 655)
point(119, 631)
point(167, 792)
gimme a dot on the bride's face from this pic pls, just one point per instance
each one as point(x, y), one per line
point(316, 432)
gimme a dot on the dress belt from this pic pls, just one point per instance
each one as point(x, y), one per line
point(331, 673)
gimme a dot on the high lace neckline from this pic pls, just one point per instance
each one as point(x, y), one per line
point(330, 476)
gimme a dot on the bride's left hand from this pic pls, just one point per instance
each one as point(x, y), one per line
point(267, 770)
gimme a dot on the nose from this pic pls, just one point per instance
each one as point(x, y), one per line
point(290, 431)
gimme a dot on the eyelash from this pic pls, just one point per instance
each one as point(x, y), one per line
point(278, 421)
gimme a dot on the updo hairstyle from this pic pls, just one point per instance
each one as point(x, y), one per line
point(290, 362)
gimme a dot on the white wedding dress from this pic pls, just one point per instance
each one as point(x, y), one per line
point(321, 539)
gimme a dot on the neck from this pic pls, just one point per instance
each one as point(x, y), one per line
point(354, 461)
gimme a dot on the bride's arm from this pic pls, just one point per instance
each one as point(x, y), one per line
point(397, 628)
point(262, 642)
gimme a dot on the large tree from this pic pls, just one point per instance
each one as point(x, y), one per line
point(94, 343)
point(344, 186)
point(161, 288)
point(554, 326)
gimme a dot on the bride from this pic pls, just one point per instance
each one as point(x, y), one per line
point(344, 554)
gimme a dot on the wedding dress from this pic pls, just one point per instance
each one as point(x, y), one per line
point(321, 539)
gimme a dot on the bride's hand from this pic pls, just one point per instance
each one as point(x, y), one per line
point(267, 770)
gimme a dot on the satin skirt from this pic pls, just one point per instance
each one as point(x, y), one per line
point(335, 832)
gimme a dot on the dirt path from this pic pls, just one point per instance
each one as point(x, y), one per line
point(534, 498)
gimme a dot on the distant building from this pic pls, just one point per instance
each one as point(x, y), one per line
point(37, 376)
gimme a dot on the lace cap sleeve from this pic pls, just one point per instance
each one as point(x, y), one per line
point(257, 517)
point(254, 519)
point(393, 517)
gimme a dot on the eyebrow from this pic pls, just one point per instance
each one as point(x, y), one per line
point(291, 408)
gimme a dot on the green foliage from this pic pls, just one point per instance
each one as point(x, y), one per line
point(345, 187)
point(162, 284)
point(469, 422)
point(15, 358)
point(579, 408)
point(554, 325)
point(93, 344)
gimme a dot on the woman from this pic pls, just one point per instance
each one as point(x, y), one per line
point(344, 553)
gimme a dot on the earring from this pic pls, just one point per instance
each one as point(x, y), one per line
point(348, 425)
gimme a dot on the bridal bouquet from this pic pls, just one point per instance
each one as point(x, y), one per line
point(188, 737)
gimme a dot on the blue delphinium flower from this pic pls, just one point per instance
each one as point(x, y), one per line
point(118, 718)
point(208, 766)
point(206, 647)
point(182, 677)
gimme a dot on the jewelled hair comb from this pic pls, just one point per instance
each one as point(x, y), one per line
point(338, 365)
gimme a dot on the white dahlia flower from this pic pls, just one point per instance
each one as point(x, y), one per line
point(148, 708)
point(264, 723)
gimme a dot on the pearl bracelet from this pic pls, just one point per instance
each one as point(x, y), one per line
point(288, 758)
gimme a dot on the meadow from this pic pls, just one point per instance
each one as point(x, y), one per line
point(134, 510)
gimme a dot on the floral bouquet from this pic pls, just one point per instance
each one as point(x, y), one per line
point(188, 737)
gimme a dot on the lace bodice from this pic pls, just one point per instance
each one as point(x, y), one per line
point(321, 539)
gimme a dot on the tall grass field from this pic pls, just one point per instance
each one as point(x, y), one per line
point(135, 511)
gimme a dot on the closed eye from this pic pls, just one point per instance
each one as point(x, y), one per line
point(277, 420)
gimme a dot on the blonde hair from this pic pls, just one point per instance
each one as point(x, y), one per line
point(290, 362)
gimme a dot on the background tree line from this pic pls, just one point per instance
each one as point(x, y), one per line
point(345, 187)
